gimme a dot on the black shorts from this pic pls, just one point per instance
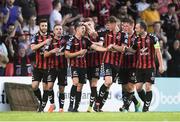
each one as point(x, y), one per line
point(40, 74)
point(81, 73)
point(111, 70)
point(61, 74)
point(145, 75)
point(93, 72)
point(127, 75)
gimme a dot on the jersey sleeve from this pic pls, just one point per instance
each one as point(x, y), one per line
point(154, 40)
point(88, 41)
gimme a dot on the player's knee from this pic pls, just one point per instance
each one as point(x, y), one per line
point(61, 89)
point(34, 86)
point(79, 87)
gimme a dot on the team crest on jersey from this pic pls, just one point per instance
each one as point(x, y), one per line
point(147, 40)
point(118, 37)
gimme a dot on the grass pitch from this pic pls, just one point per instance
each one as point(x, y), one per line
point(105, 116)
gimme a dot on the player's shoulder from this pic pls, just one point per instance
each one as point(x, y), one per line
point(69, 37)
point(153, 37)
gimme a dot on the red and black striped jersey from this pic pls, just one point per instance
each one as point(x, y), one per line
point(146, 52)
point(114, 58)
point(103, 11)
point(93, 57)
point(74, 45)
point(57, 60)
point(130, 58)
point(41, 61)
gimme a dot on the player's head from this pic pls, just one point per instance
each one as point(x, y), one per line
point(43, 25)
point(57, 30)
point(140, 27)
point(111, 23)
point(80, 28)
point(127, 25)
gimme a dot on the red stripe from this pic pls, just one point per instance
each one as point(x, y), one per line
point(149, 52)
point(144, 57)
point(139, 56)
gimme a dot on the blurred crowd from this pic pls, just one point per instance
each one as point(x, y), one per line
point(19, 22)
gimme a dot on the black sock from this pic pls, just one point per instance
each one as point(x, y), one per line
point(93, 95)
point(123, 96)
point(147, 101)
point(77, 100)
point(61, 100)
point(142, 95)
point(129, 97)
point(102, 92)
point(37, 92)
point(135, 101)
point(72, 95)
point(51, 96)
point(45, 99)
point(104, 99)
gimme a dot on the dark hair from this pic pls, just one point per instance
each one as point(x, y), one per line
point(112, 19)
point(42, 21)
point(11, 24)
point(78, 24)
point(55, 2)
point(142, 24)
point(128, 20)
point(171, 5)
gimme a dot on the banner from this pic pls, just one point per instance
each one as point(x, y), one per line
point(166, 95)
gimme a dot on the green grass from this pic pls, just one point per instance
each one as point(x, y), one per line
point(114, 116)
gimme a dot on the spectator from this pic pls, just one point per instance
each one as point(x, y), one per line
point(85, 7)
point(132, 9)
point(11, 14)
point(170, 23)
point(174, 65)
point(177, 3)
point(150, 16)
point(11, 41)
point(166, 56)
point(162, 8)
point(22, 64)
point(3, 57)
point(56, 17)
point(115, 4)
point(68, 8)
point(103, 10)
point(123, 12)
point(142, 5)
point(28, 8)
point(44, 8)
point(159, 32)
point(31, 27)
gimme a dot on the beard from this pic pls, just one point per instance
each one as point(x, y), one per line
point(43, 31)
